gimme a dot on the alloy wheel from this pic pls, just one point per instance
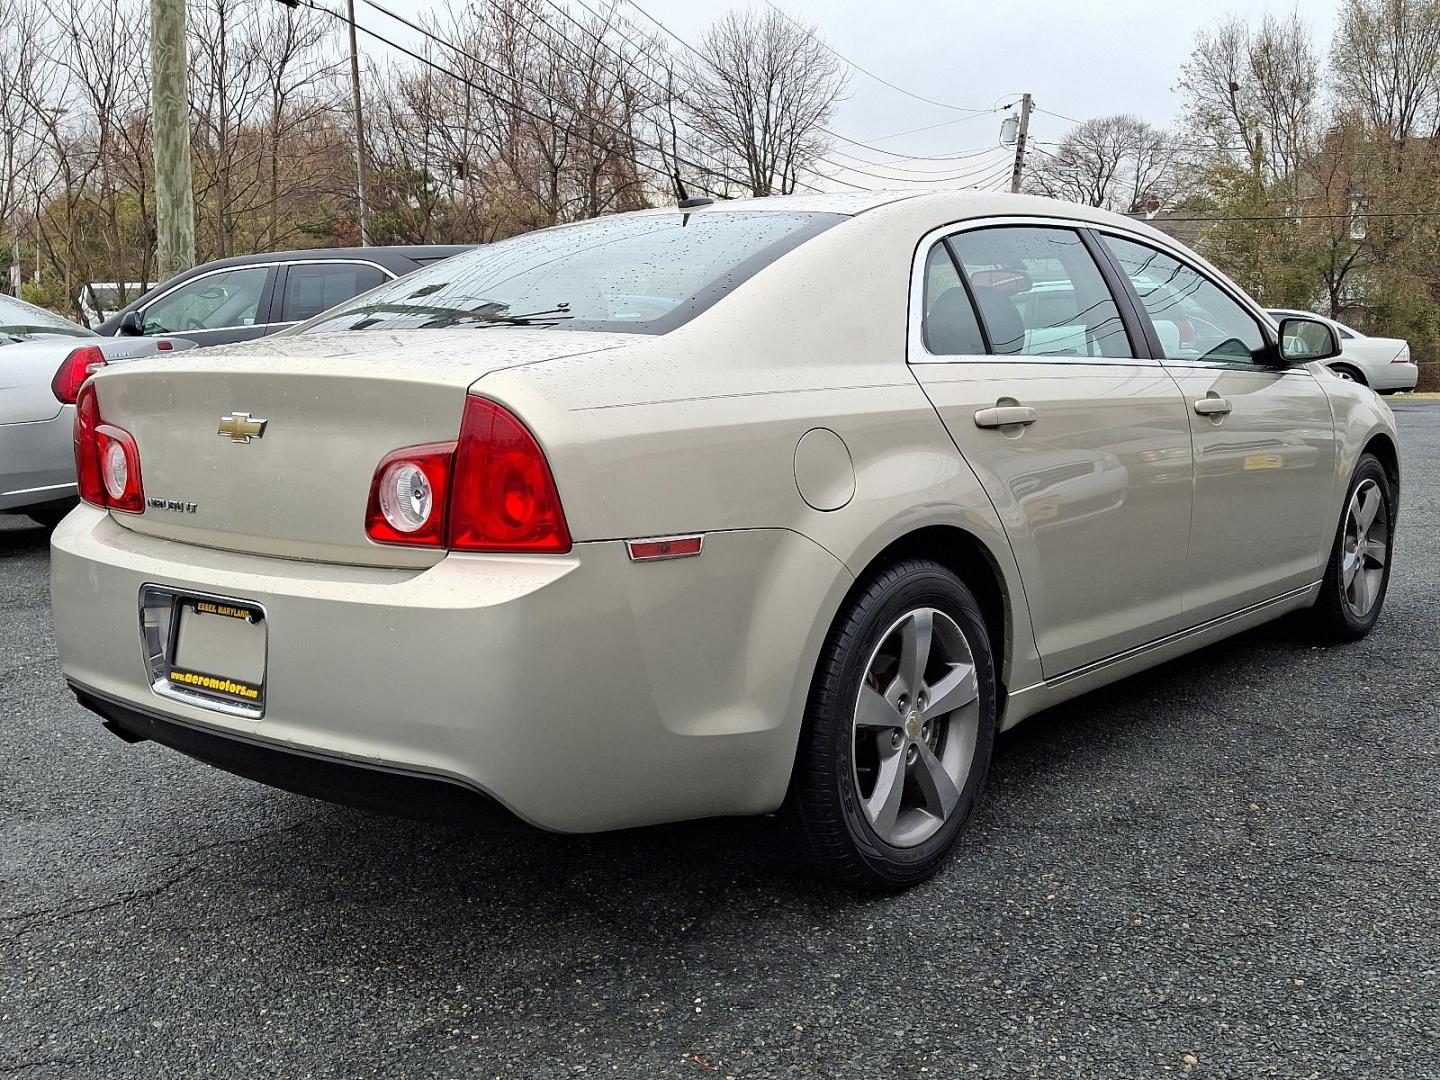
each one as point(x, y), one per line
point(915, 728)
point(1366, 548)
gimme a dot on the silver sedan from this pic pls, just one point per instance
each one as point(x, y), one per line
point(43, 361)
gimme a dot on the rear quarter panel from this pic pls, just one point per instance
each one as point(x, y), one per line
point(697, 430)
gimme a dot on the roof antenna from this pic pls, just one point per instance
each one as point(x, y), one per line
point(688, 201)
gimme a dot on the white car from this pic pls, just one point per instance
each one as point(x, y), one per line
point(43, 361)
point(786, 503)
point(1381, 363)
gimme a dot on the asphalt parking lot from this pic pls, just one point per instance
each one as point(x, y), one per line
point(1224, 867)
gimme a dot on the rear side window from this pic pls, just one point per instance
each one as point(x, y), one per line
point(949, 322)
point(1040, 293)
point(643, 274)
point(313, 288)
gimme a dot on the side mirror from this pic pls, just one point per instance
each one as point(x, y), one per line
point(132, 324)
point(1303, 340)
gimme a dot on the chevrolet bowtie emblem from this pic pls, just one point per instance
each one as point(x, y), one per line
point(241, 428)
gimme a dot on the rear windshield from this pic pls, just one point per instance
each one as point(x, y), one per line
point(20, 321)
point(636, 274)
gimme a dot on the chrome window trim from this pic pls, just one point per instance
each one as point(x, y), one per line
point(390, 274)
point(916, 352)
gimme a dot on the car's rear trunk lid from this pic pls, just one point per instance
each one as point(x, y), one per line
point(331, 407)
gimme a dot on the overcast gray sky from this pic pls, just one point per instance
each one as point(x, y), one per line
point(1078, 59)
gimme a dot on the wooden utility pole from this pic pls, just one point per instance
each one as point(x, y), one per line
point(174, 187)
point(1021, 135)
point(359, 127)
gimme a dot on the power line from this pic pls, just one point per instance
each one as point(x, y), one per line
point(980, 166)
point(504, 101)
point(1058, 116)
point(681, 97)
point(960, 155)
point(666, 91)
point(866, 71)
point(1356, 217)
point(829, 161)
point(499, 97)
point(918, 130)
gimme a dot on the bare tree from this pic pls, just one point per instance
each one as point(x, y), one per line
point(761, 89)
point(1386, 60)
point(1254, 94)
point(1117, 162)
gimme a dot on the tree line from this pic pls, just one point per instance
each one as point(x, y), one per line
point(1306, 170)
point(1309, 172)
point(483, 119)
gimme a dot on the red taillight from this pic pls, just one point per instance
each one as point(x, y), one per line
point(407, 496)
point(107, 461)
point(503, 497)
point(74, 370)
point(490, 491)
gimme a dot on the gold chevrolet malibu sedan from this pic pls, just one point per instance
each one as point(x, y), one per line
point(786, 504)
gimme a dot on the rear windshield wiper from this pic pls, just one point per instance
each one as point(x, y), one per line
point(489, 313)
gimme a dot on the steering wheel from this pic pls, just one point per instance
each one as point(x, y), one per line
point(192, 323)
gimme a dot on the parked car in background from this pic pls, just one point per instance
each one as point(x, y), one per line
point(251, 296)
point(43, 361)
point(791, 503)
point(1381, 363)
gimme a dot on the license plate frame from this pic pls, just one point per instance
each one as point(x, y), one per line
point(185, 633)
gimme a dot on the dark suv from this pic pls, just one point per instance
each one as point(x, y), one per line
point(250, 296)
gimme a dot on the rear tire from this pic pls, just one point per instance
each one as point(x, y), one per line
point(899, 729)
point(1358, 573)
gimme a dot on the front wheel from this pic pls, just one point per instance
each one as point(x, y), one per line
point(899, 729)
point(1358, 574)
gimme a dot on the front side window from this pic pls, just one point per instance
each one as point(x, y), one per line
point(1040, 293)
point(311, 288)
point(213, 302)
point(1193, 317)
point(643, 274)
point(949, 324)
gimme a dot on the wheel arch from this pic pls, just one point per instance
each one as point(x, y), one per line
point(1383, 447)
point(966, 556)
point(970, 559)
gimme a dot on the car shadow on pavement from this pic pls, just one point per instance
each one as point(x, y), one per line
point(431, 898)
point(18, 536)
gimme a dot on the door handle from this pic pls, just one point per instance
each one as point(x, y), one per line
point(1005, 415)
point(1212, 404)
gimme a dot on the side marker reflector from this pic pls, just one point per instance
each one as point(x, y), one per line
point(668, 547)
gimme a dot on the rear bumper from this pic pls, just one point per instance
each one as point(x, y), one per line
point(37, 461)
point(1392, 378)
point(319, 776)
point(580, 692)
